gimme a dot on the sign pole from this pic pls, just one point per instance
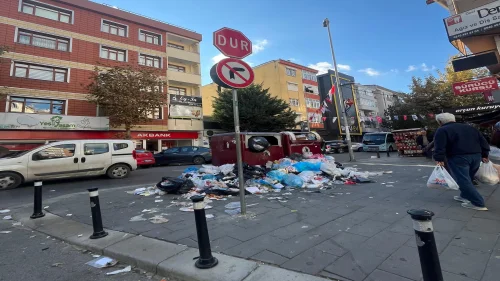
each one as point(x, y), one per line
point(237, 136)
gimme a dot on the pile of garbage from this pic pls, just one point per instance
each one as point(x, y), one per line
point(296, 172)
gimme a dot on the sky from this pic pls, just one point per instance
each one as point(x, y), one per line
point(383, 42)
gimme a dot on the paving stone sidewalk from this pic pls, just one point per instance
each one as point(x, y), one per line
point(358, 233)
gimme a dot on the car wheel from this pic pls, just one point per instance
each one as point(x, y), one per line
point(198, 160)
point(391, 149)
point(9, 180)
point(360, 149)
point(118, 171)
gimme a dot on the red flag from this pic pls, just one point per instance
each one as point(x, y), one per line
point(379, 119)
point(328, 100)
point(331, 92)
point(431, 115)
point(405, 117)
point(324, 119)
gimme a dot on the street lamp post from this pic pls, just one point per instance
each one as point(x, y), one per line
point(326, 23)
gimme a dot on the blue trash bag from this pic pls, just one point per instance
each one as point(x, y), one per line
point(209, 177)
point(191, 170)
point(276, 175)
point(292, 180)
point(307, 166)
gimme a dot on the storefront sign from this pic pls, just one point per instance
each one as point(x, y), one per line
point(164, 135)
point(488, 96)
point(185, 100)
point(473, 22)
point(476, 86)
point(184, 111)
point(24, 121)
point(350, 106)
point(474, 109)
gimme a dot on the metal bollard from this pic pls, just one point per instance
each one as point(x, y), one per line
point(205, 260)
point(95, 208)
point(426, 243)
point(378, 152)
point(37, 206)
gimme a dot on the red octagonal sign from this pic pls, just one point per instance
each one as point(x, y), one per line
point(232, 43)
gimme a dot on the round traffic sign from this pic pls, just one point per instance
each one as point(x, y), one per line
point(235, 73)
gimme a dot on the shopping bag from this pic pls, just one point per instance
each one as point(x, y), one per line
point(440, 178)
point(487, 174)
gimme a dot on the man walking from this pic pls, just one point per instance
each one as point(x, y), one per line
point(464, 147)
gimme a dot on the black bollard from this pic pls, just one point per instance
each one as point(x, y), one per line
point(206, 260)
point(426, 243)
point(95, 208)
point(378, 152)
point(37, 206)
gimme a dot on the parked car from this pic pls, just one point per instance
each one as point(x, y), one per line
point(336, 146)
point(69, 159)
point(186, 154)
point(145, 159)
point(356, 146)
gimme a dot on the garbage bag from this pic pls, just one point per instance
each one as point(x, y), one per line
point(191, 170)
point(487, 174)
point(441, 178)
point(330, 169)
point(209, 169)
point(175, 185)
point(258, 144)
point(296, 157)
point(227, 168)
point(276, 175)
point(307, 176)
point(292, 180)
point(307, 166)
point(209, 177)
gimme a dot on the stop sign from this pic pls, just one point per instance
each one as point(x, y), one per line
point(232, 43)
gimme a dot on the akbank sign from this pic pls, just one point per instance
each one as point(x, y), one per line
point(473, 22)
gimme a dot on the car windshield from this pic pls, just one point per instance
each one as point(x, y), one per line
point(374, 139)
point(15, 154)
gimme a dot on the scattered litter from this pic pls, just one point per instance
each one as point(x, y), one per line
point(373, 157)
point(233, 205)
point(126, 269)
point(370, 197)
point(4, 211)
point(390, 185)
point(5, 232)
point(209, 216)
point(158, 197)
point(233, 212)
point(397, 213)
point(387, 172)
point(69, 215)
point(158, 201)
point(46, 248)
point(293, 211)
point(46, 207)
point(186, 209)
point(282, 201)
point(391, 182)
point(17, 224)
point(253, 189)
point(80, 235)
point(57, 264)
point(158, 220)
point(305, 226)
point(138, 218)
point(33, 236)
point(7, 217)
point(102, 262)
point(288, 193)
point(96, 256)
point(52, 190)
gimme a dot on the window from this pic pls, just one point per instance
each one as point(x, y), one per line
point(95, 148)
point(310, 89)
point(172, 150)
point(42, 40)
point(119, 146)
point(294, 102)
point(186, 149)
point(309, 76)
point(176, 68)
point(113, 54)
point(155, 114)
point(175, 46)
point(46, 11)
point(312, 103)
point(149, 37)
point(292, 87)
point(149, 61)
point(315, 118)
point(176, 91)
point(55, 152)
point(39, 72)
point(291, 72)
point(37, 106)
point(114, 28)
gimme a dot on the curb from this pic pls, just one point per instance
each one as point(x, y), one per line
point(156, 256)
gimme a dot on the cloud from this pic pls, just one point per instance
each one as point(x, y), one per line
point(411, 68)
point(395, 71)
point(218, 58)
point(344, 67)
point(321, 67)
point(424, 67)
point(370, 71)
point(259, 45)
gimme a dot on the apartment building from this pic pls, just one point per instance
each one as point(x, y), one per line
point(54, 46)
point(288, 81)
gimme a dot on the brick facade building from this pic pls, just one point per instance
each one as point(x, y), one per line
point(54, 46)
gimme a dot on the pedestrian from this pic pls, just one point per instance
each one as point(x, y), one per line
point(464, 147)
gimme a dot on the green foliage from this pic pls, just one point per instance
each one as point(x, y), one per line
point(431, 95)
point(258, 110)
point(127, 94)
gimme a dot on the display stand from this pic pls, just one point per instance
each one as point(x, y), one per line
point(406, 142)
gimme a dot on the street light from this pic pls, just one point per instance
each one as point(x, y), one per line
point(326, 23)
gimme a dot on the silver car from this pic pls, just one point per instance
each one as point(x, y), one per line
point(356, 146)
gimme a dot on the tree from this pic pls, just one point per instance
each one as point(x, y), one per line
point(127, 95)
point(430, 95)
point(259, 111)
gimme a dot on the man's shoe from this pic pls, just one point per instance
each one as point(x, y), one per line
point(460, 199)
point(469, 205)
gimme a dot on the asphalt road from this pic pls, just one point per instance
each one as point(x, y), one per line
point(24, 194)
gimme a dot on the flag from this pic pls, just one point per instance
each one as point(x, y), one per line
point(328, 99)
point(414, 117)
point(325, 104)
point(379, 119)
point(323, 110)
point(324, 119)
point(331, 92)
point(388, 117)
point(405, 117)
point(396, 117)
point(334, 119)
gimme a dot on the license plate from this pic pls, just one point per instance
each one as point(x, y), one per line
point(148, 160)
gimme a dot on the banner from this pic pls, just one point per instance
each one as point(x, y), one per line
point(26, 121)
point(475, 86)
point(185, 100)
point(474, 109)
point(472, 22)
point(184, 111)
point(349, 97)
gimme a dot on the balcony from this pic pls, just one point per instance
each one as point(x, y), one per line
point(184, 77)
point(185, 124)
point(184, 55)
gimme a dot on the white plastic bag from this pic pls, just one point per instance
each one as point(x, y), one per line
point(440, 178)
point(487, 174)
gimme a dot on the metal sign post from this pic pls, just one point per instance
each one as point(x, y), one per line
point(237, 136)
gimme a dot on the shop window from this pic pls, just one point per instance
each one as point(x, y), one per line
point(95, 148)
point(55, 152)
point(149, 37)
point(119, 146)
point(113, 54)
point(40, 72)
point(36, 106)
point(43, 40)
point(46, 11)
point(114, 28)
point(149, 60)
point(155, 114)
point(175, 46)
